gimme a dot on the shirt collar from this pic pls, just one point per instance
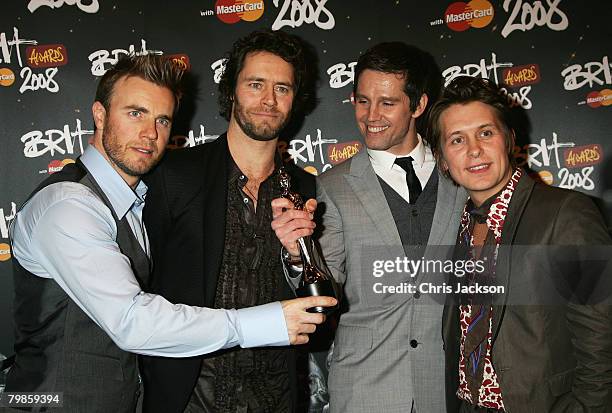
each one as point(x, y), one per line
point(480, 213)
point(235, 174)
point(386, 159)
point(119, 193)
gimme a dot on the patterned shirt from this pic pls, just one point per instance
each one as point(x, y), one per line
point(247, 380)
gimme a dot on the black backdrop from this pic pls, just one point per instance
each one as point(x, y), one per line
point(551, 55)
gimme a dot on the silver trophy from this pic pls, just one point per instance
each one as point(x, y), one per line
point(316, 281)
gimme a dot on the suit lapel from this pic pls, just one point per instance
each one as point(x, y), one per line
point(215, 160)
point(519, 201)
point(447, 204)
point(450, 200)
point(364, 183)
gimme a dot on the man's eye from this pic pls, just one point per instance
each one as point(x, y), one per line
point(255, 85)
point(134, 113)
point(164, 122)
point(282, 89)
point(388, 103)
point(486, 133)
point(456, 140)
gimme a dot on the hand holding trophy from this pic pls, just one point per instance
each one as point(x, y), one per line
point(315, 280)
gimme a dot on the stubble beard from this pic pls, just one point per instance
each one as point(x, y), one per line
point(263, 132)
point(118, 156)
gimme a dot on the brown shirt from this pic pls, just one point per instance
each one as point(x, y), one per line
point(247, 380)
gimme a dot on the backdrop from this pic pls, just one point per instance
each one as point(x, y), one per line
point(552, 56)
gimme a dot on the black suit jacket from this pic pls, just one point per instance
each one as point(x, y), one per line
point(548, 358)
point(185, 219)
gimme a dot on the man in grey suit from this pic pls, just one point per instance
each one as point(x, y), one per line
point(388, 353)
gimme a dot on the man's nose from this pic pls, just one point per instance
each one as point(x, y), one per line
point(474, 148)
point(149, 130)
point(269, 96)
point(373, 113)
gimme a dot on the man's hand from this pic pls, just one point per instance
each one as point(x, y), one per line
point(290, 224)
point(300, 323)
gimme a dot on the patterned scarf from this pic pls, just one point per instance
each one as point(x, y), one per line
point(476, 346)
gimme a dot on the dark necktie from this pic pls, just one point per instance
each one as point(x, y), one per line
point(414, 186)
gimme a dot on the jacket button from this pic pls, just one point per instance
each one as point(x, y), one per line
point(417, 295)
point(415, 212)
point(413, 343)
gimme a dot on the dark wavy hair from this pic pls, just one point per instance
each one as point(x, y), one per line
point(467, 89)
point(286, 46)
point(156, 69)
point(418, 68)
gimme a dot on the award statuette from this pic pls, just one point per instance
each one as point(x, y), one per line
point(315, 280)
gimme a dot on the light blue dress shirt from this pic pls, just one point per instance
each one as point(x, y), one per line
point(65, 232)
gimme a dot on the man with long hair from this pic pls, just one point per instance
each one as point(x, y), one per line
point(209, 213)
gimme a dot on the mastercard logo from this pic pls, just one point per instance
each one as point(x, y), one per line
point(311, 170)
point(5, 252)
point(460, 16)
point(543, 176)
point(7, 77)
point(232, 11)
point(596, 99)
point(57, 165)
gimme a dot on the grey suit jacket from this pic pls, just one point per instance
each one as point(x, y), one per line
point(374, 366)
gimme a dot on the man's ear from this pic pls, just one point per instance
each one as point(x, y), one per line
point(99, 114)
point(421, 106)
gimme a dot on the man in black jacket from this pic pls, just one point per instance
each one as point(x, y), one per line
point(209, 217)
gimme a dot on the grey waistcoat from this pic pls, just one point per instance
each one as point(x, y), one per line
point(58, 347)
point(413, 221)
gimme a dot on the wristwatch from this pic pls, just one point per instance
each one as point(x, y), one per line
point(289, 259)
